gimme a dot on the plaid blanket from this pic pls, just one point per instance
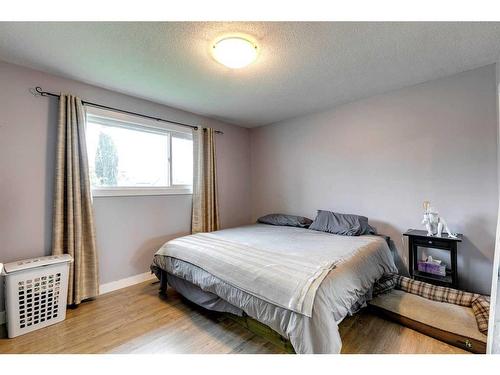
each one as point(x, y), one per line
point(435, 293)
point(385, 284)
point(480, 304)
point(481, 308)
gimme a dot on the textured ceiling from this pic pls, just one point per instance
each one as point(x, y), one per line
point(302, 66)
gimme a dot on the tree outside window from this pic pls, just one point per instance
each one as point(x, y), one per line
point(106, 161)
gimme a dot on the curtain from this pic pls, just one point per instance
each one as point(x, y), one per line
point(73, 223)
point(205, 215)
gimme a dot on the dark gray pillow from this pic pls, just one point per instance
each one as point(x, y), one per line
point(343, 224)
point(285, 220)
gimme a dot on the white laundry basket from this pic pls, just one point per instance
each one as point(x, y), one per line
point(35, 293)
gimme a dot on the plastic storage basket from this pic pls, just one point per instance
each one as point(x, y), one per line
point(35, 293)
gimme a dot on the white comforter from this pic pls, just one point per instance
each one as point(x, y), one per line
point(359, 261)
point(281, 267)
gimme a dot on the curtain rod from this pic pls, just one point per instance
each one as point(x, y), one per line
point(40, 92)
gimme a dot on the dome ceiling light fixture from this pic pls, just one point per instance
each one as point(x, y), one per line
point(235, 52)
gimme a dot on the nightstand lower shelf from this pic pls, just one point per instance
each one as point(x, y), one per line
point(435, 279)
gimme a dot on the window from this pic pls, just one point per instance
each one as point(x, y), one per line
point(131, 155)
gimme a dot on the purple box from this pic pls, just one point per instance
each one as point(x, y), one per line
point(433, 268)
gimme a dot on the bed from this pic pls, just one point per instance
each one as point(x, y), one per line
point(299, 282)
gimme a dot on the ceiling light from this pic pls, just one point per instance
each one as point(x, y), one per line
point(234, 52)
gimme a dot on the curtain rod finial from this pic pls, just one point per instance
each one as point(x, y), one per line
point(37, 91)
point(33, 91)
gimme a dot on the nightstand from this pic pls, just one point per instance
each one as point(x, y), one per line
point(419, 238)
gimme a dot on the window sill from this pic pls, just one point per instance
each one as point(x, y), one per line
point(133, 191)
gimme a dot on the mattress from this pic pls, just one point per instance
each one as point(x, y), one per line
point(344, 289)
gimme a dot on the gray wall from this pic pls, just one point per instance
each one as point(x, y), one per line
point(129, 229)
point(382, 156)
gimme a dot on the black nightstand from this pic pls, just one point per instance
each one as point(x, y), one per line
point(420, 238)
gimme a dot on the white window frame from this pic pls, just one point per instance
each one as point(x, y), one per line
point(107, 117)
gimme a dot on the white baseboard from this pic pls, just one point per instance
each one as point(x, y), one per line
point(123, 283)
point(109, 287)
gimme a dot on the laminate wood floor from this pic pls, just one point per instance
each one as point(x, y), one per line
point(137, 320)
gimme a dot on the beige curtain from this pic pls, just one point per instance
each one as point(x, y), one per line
point(73, 225)
point(205, 216)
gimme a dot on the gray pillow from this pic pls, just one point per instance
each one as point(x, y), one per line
point(285, 220)
point(343, 224)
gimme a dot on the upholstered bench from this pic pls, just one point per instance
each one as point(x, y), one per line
point(453, 324)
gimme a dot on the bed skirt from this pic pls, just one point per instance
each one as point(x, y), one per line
point(213, 302)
